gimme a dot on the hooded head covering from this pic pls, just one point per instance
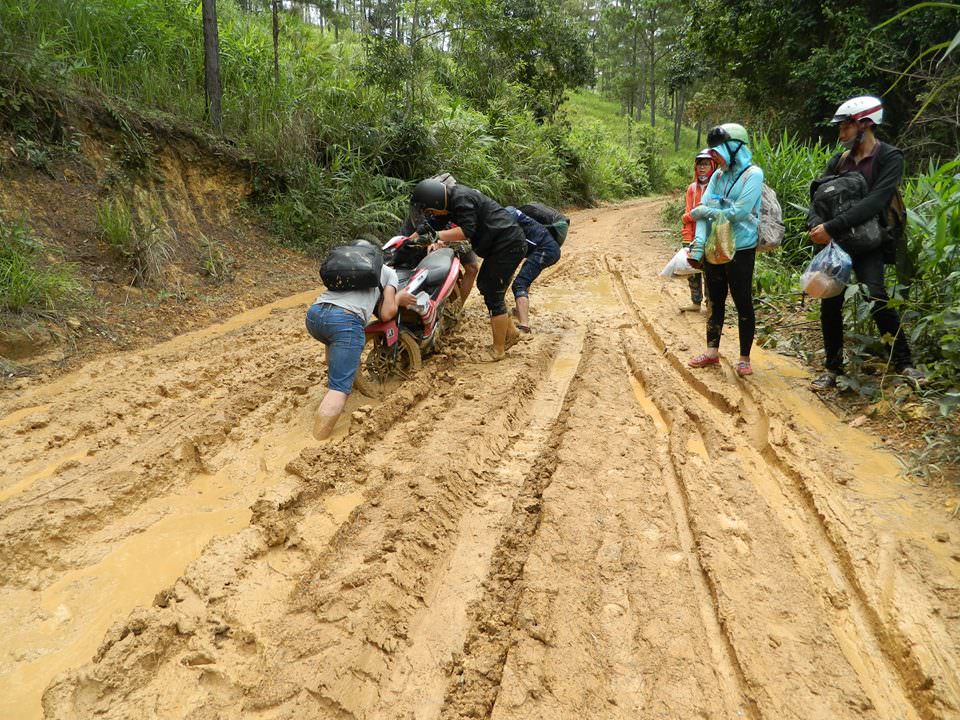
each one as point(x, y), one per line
point(742, 157)
point(729, 141)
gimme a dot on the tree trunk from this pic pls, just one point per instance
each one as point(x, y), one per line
point(211, 62)
point(414, 22)
point(653, 84)
point(678, 119)
point(276, 41)
point(699, 133)
point(336, 21)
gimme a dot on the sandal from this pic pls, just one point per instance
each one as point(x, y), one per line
point(701, 361)
point(524, 329)
point(744, 369)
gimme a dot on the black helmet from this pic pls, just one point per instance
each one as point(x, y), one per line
point(429, 194)
point(363, 242)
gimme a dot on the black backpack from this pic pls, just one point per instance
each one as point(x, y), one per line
point(352, 267)
point(555, 221)
point(832, 195)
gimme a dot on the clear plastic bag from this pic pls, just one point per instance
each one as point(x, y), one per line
point(678, 267)
point(828, 273)
point(720, 246)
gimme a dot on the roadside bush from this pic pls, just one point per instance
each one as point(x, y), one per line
point(215, 262)
point(137, 239)
point(932, 305)
point(31, 279)
point(338, 138)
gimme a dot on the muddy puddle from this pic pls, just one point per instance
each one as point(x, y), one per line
point(61, 624)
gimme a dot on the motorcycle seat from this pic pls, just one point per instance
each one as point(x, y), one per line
point(437, 264)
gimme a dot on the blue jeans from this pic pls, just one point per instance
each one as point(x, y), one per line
point(541, 256)
point(342, 332)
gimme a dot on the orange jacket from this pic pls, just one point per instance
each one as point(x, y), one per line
point(694, 191)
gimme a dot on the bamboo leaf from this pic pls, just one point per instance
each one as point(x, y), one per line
point(912, 8)
point(953, 44)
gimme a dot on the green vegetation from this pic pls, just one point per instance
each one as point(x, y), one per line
point(31, 280)
point(215, 262)
point(137, 240)
point(348, 125)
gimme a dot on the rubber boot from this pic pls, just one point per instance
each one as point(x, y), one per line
point(501, 325)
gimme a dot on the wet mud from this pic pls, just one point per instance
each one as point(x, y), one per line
point(587, 529)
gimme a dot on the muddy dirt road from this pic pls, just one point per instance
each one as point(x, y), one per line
point(588, 529)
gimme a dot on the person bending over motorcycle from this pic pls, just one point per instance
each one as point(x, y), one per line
point(337, 319)
point(495, 237)
point(468, 258)
point(542, 252)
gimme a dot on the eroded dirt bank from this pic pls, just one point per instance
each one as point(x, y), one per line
point(588, 529)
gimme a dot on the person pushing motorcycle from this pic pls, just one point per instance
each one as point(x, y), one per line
point(495, 236)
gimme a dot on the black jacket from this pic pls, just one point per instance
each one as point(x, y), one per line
point(887, 173)
point(487, 225)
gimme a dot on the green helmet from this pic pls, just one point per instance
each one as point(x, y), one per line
point(727, 131)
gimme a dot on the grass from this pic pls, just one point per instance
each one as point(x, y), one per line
point(32, 280)
point(136, 237)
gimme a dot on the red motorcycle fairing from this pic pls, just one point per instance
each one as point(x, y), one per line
point(388, 328)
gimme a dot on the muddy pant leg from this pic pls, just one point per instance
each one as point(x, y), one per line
point(715, 278)
point(540, 257)
point(740, 279)
point(695, 282)
point(869, 271)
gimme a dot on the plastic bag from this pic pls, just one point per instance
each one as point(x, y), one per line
point(678, 267)
point(828, 273)
point(720, 246)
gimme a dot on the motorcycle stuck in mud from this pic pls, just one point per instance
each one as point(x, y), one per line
point(394, 349)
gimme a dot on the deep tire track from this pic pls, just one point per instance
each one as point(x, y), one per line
point(874, 637)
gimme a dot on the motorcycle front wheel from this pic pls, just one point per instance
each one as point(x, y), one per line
point(383, 368)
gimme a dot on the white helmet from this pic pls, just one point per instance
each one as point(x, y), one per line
point(865, 107)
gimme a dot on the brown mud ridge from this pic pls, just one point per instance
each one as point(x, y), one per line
point(587, 529)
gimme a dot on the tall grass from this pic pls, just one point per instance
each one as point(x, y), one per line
point(30, 282)
point(933, 303)
point(788, 167)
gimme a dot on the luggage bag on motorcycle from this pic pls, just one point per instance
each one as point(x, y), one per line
point(554, 220)
point(352, 267)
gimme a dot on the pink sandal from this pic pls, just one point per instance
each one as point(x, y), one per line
point(744, 369)
point(701, 361)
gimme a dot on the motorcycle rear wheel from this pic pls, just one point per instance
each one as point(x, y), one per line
point(382, 368)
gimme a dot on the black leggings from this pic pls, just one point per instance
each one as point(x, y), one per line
point(737, 275)
point(869, 271)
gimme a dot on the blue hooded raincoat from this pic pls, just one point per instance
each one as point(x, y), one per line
point(734, 192)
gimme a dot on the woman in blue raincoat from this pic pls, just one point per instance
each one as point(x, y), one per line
point(733, 193)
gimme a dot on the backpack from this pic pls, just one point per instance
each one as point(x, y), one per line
point(555, 221)
point(893, 228)
point(770, 228)
point(352, 267)
point(832, 195)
